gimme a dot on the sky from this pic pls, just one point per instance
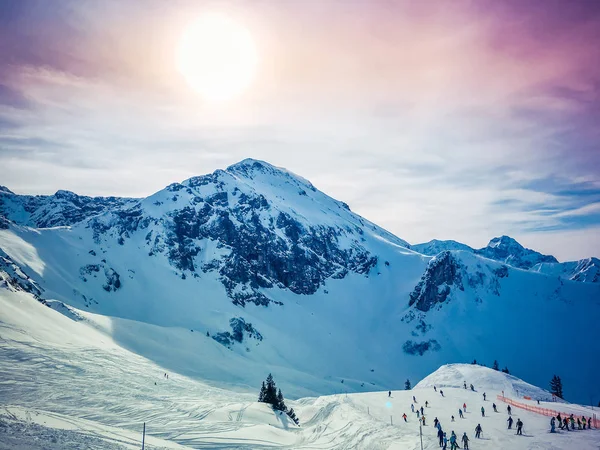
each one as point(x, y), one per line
point(450, 120)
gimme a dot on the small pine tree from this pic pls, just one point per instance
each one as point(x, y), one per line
point(292, 415)
point(495, 366)
point(270, 396)
point(407, 385)
point(474, 361)
point(263, 391)
point(505, 370)
point(556, 386)
point(280, 405)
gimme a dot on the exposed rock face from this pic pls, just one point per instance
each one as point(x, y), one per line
point(12, 277)
point(240, 329)
point(111, 279)
point(61, 209)
point(442, 272)
point(435, 246)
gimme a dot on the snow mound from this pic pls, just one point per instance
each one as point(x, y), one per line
point(483, 379)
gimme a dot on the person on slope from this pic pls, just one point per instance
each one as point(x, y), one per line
point(418, 414)
point(510, 422)
point(578, 424)
point(572, 422)
point(509, 409)
point(434, 388)
point(423, 418)
point(519, 427)
point(426, 404)
point(583, 421)
point(435, 422)
point(439, 426)
point(566, 423)
point(465, 407)
point(412, 407)
point(472, 388)
point(589, 423)
point(389, 393)
point(404, 416)
point(465, 441)
point(445, 447)
point(482, 411)
point(553, 425)
point(440, 435)
point(460, 413)
point(453, 443)
point(422, 411)
point(478, 431)
point(560, 422)
point(494, 406)
point(415, 400)
point(441, 393)
point(484, 396)
point(453, 418)
point(465, 384)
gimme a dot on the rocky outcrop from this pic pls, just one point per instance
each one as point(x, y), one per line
point(240, 330)
point(442, 273)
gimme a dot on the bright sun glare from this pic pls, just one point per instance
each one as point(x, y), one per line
point(217, 57)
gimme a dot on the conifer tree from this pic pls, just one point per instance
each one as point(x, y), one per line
point(505, 370)
point(280, 405)
point(556, 386)
point(495, 366)
point(263, 391)
point(407, 385)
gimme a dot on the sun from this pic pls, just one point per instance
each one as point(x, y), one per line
point(217, 57)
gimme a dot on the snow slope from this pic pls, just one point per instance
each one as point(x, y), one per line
point(282, 277)
point(68, 385)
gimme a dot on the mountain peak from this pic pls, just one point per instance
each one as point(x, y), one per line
point(6, 190)
point(508, 250)
point(504, 241)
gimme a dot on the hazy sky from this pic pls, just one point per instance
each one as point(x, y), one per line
point(437, 119)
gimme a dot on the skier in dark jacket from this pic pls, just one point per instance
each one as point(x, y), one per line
point(465, 384)
point(389, 393)
point(426, 404)
point(422, 411)
point(484, 396)
point(494, 406)
point(589, 423)
point(510, 422)
point(560, 422)
point(509, 409)
point(465, 441)
point(472, 388)
point(460, 413)
point(435, 389)
point(414, 399)
point(478, 431)
point(435, 422)
point(440, 435)
point(482, 411)
point(441, 393)
point(519, 427)
point(578, 424)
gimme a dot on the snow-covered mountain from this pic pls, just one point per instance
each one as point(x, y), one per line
point(509, 251)
point(435, 247)
point(251, 268)
point(60, 209)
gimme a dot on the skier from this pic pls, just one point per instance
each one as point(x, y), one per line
point(510, 422)
point(418, 414)
point(484, 396)
point(578, 424)
point(445, 447)
point(435, 389)
point(426, 404)
point(482, 411)
point(452, 418)
point(519, 427)
point(553, 425)
point(440, 435)
point(572, 422)
point(589, 423)
point(460, 413)
point(465, 441)
point(389, 393)
point(472, 388)
point(414, 399)
point(509, 409)
point(423, 417)
point(494, 406)
point(453, 443)
point(465, 384)
point(404, 416)
point(566, 423)
point(465, 407)
point(412, 407)
point(478, 431)
point(439, 426)
point(442, 392)
point(422, 412)
point(583, 421)
point(435, 422)
point(560, 422)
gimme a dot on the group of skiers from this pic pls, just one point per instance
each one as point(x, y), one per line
point(563, 423)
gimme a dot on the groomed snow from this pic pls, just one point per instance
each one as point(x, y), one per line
point(68, 385)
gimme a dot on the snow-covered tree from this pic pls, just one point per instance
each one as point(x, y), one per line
point(280, 402)
point(556, 386)
point(407, 385)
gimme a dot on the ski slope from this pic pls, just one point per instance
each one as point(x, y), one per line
point(67, 384)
